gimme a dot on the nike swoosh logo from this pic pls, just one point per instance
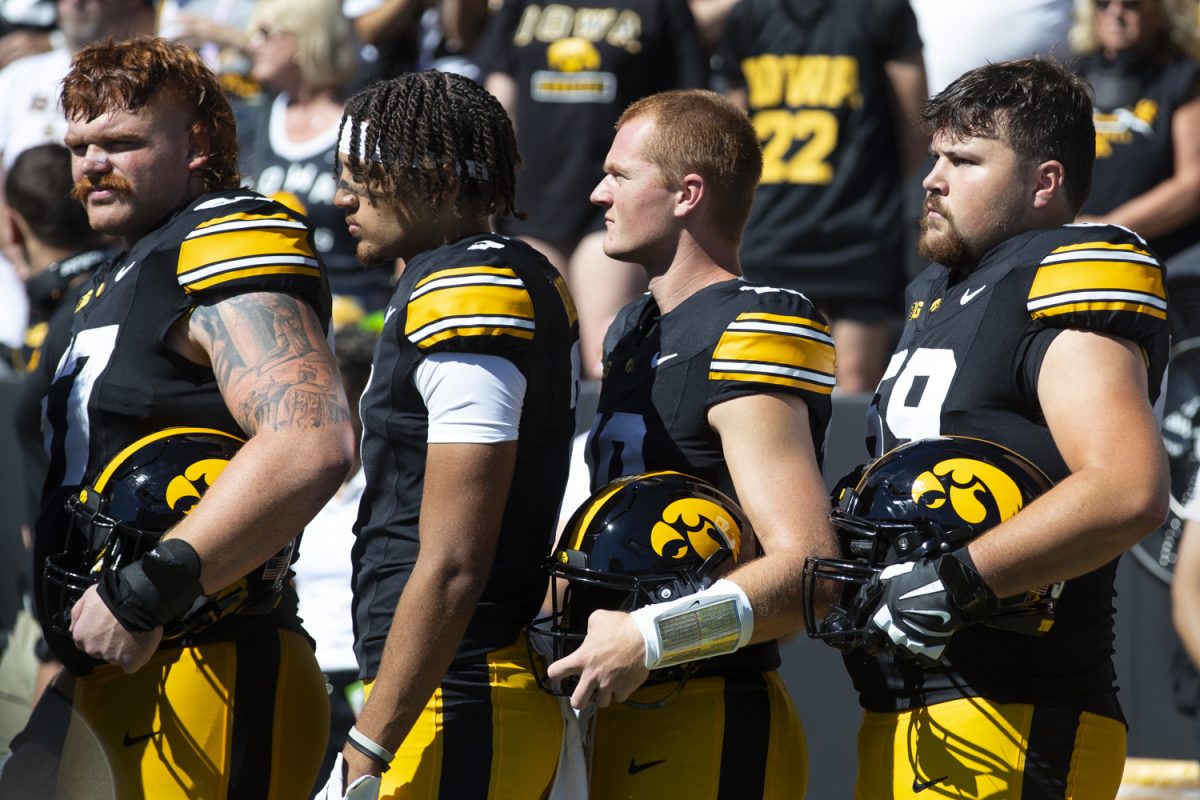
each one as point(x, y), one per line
point(920, 786)
point(486, 245)
point(121, 272)
point(635, 768)
point(130, 741)
point(942, 615)
point(654, 362)
point(971, 294)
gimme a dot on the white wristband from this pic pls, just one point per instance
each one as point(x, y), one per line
point(713, 622)
point(368, 747)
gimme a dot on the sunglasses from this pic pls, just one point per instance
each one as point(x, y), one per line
point(1122, 5)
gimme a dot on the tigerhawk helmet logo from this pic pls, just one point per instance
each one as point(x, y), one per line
point(695, 525)
point(973, 488)
point(183, 488)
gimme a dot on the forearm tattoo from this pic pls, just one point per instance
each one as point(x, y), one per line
point(271, 362)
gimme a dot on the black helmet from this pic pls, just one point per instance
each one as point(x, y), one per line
point(639, 540)
point(922, 500)
point(147, 489)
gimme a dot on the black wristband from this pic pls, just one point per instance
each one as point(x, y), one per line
point(156, 589)
point(965, 585)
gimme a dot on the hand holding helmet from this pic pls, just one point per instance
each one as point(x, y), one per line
point(918, 605)
point(908, 581)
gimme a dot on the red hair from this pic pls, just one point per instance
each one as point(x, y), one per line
point(130, 74)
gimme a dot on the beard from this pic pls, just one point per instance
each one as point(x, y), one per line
point(944, 244)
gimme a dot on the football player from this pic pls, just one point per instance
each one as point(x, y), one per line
point(1048, 338)
point(214, 317)
point(730, 382)
point(467, 423)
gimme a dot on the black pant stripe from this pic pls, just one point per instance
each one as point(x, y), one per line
point(466, 739)
point(746, 738)
point(1051, 743)
point(251, 743)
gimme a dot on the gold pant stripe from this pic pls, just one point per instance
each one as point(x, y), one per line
point(516, 738)
point(676, 750)
point(167, 731)
point(973, 749)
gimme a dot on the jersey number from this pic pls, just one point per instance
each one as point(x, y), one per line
point(614, 447)
point(80, 367)
point(914, 406)
point(816, 130)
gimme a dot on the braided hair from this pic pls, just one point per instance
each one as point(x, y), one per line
point(433, 135)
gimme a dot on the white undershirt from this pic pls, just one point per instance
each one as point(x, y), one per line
point(472, 398)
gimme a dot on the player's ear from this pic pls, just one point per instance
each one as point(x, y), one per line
point(690, 191)
point(1049, 184)
point(199, 145)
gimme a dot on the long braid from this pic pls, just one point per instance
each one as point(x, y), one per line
point(429, 133)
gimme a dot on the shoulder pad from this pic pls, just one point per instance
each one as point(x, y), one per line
point(474, 309)
point(780, 341)
point(1099, 277)
point(261, 246)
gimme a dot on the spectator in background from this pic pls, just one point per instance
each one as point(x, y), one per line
point(29, 110)
point(1141, 58)
point(27, 27)
point(565, 72)
point(323, 569)
point(217, 29)
point(960, 36)
point(833, 89)
point(413, 35)
point(305, 54)
point(51, 229)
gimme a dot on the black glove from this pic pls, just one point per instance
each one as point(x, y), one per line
point(918, 605)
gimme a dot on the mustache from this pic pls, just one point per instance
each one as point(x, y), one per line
point(934, 203)
point(84, 186)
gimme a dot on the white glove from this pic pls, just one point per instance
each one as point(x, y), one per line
point(365, 788)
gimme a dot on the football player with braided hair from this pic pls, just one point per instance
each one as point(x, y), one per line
point(467, 422)
point(195, 424)
point(729, 382)
point(1049, 339)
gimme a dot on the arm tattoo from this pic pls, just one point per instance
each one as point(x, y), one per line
point(271, 362)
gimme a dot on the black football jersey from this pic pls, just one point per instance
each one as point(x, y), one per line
point(967, 364)
point(577, 65)
point(827, 217)
point(482, 294)
point(1137, 95)
point(118, 381)
point(663, 372)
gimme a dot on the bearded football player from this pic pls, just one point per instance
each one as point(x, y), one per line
point(1033, 346)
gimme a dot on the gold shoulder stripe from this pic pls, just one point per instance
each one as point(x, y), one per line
point(236, 274)
point(466, 303)
point(457, 272)
point(560, 285)
point(241, 243)
point(1076, 276)
point(1084, 307)
point(775, 349)
point(1129, 248)
point(246, 220)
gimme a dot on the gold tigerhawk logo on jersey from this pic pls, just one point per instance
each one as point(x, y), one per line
point(973, 488)
point(573, 54)
point(183, 488)
point(694, 525)
point(935, 305)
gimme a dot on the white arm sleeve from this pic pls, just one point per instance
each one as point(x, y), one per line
point(472, 398)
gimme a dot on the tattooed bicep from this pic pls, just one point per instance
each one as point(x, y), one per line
point(272, 362)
